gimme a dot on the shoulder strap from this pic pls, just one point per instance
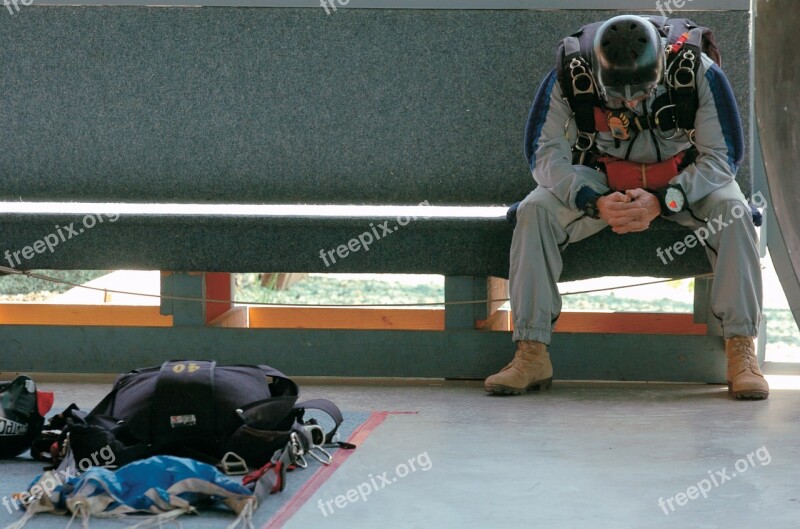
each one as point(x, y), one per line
point(683, 66)
point(576, 79)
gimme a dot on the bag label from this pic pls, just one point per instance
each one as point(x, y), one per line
point(9, 428)
point(182, 421)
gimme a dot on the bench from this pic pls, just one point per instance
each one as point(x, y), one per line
point(219, 135)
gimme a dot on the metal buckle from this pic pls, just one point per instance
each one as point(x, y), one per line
point(690, 136)
point(233, 465)
point(584, 136)
point(317, 434)
point(578, 91)
point(686, 66)
point(689, 57)
point(686, 61)
point(317, 440)
point(579, 72)
point(690, 81)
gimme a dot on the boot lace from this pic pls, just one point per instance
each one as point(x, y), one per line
point(743, 354)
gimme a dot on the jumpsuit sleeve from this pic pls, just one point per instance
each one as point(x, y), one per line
point(551, 163)
point(715, 136)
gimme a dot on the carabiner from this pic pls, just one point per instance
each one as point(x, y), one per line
point(296, 450)
point(326, 457)
point(657, 120)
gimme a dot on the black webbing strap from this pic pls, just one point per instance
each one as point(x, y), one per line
point(685, 67)
point(325, 406)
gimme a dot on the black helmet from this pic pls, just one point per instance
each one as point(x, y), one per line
point(20, 417)
point(628, 58)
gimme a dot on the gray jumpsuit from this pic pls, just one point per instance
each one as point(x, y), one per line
point(548, 218)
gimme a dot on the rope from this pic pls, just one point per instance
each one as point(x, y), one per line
point(32, 275)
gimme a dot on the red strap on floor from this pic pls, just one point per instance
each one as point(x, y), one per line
point(256, 475)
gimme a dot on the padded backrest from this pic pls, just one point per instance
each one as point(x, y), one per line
point(290, 105)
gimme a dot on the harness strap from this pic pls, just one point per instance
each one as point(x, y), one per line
point(580, 85)
point(270, 478)
point(572, 46)
point(663, 118)
point(683, 69)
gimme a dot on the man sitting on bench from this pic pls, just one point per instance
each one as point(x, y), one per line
point(651, 131)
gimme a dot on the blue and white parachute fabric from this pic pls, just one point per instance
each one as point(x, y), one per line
point(163, 486)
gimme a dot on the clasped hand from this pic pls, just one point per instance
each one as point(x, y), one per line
point(630, 212)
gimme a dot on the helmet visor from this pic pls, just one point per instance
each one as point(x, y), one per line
point(628, 93)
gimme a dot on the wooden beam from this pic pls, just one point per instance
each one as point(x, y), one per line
point(236, 318)
point(86, 315)
point(346, 318)
point(629, 323)
point(497, 289)
point(341, 318)
point(219, 285)
point(498, 320)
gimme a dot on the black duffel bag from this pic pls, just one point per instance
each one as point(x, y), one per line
point(198, 409)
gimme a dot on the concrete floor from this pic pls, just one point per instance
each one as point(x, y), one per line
point(583, 455)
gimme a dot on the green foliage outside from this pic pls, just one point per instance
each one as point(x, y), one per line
point(315, 290)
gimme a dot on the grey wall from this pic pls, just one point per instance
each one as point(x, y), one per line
point(687, 5)
point(283, 105)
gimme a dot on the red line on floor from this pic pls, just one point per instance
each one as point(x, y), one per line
point(321, 476)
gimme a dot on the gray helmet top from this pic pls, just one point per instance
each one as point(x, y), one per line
point(628, 58)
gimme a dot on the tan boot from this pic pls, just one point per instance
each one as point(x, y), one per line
point(745, 380)
point(530, 369)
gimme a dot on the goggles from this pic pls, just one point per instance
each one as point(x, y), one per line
point(620, 95)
